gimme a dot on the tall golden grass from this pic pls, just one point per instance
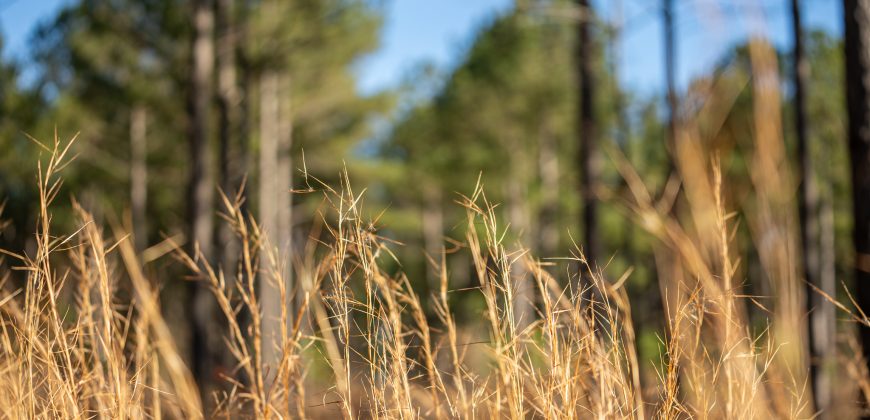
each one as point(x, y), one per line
point(85, 336)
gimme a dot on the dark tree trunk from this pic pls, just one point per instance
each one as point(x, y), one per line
point(589, 159)
point(228, 126)
point(623, 129)
point(670, 71)
point(857, 51)
point(227, 246)
point(202, 183)
point(821, 333)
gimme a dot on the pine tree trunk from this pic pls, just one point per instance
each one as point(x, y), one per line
point(667, 260)
point(589, 159)
point(432, 218)
point(247, 108)
point(275, 207)
point(857, 51)
point(139, 176)
point(268, 205)
point(623, 129)
point(825, 316)
point(520, 224)
point(201, 186)
point(670, 71)
point(283, 192)
point(228, 128)
point(821, 334)
point(670, 46)
point(548, 167)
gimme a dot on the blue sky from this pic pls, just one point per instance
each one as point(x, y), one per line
point(705, 30)
point(438, 31)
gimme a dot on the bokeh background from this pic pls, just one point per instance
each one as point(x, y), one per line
point(418, 102)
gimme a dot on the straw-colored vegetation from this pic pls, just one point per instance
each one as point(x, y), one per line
point(85, 336)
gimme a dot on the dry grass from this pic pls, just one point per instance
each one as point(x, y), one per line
point(85, 336)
